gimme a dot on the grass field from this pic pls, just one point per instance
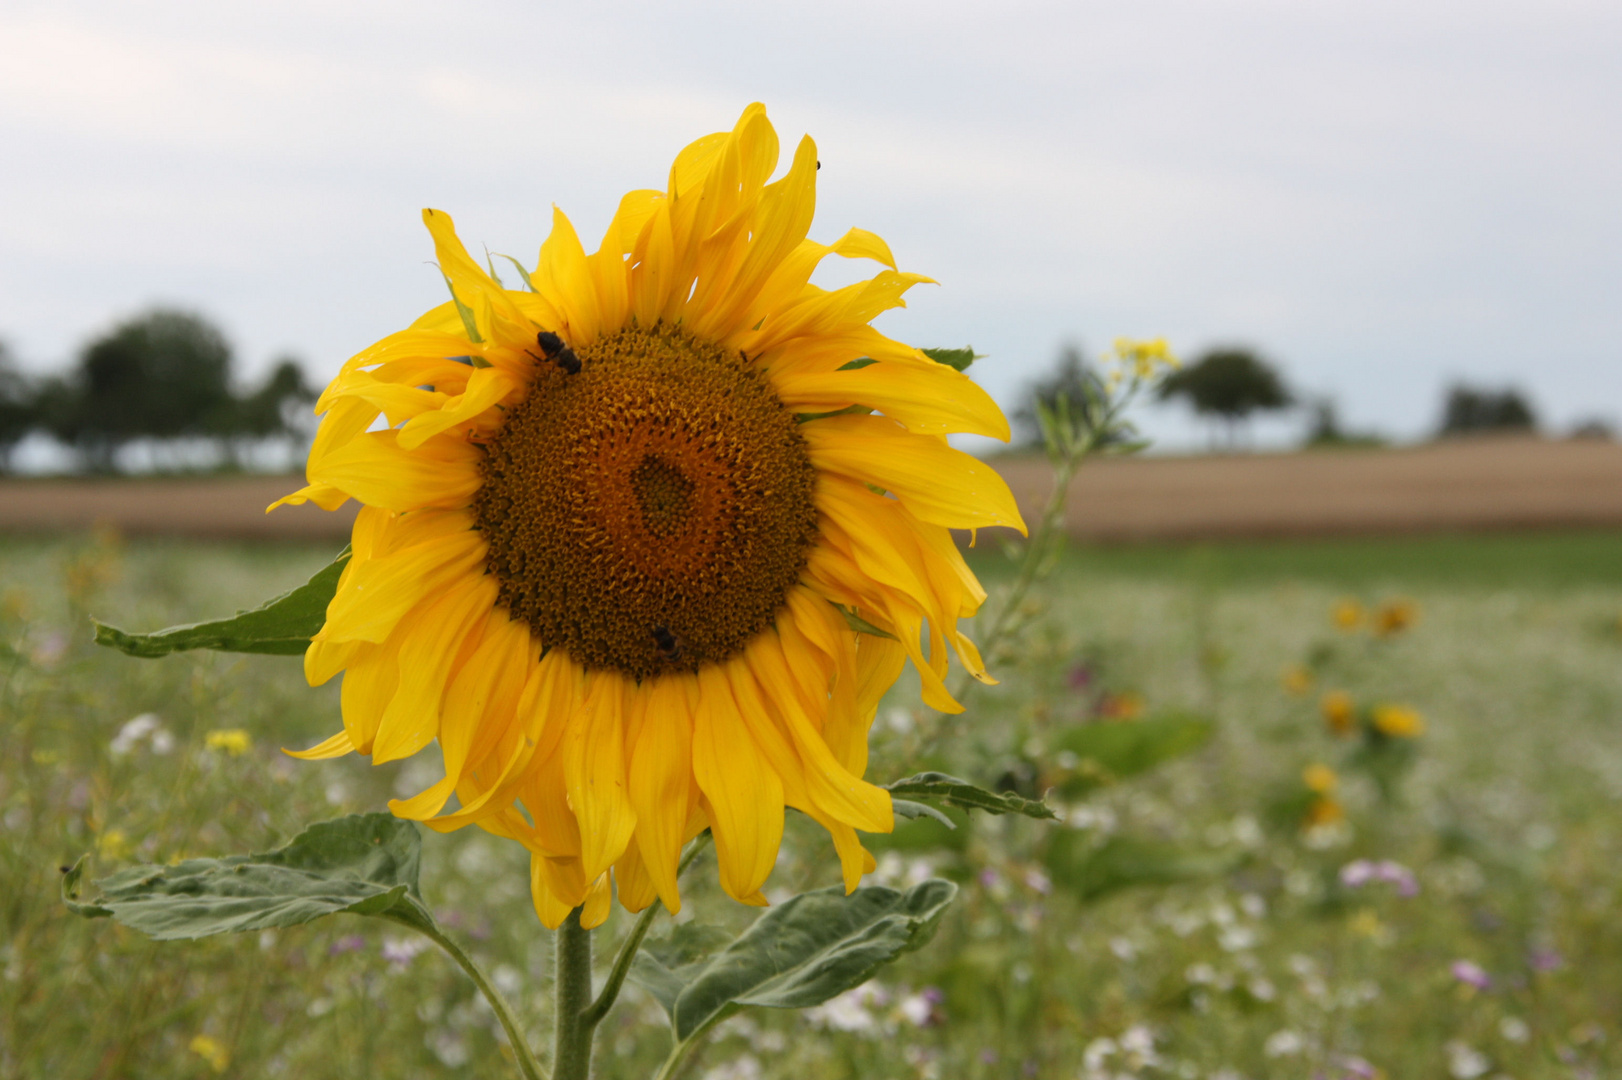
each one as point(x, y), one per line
point(1250, 959)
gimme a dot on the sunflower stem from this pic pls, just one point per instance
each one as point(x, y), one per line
point(528, 1066)
point(571, 1058)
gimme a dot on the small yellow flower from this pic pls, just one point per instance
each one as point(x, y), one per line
point(1340, 714)
point(1393, 617)
point(211, 1050)
point(113, 844)
point(1297, 679)
point(1366, 923)
point(1324, 811)
point(1145, 358)
point(1319, 778)
point(1127, 706)
point(46, 757)
point(1347, 614)
point(1398, 721)
point(233, 741)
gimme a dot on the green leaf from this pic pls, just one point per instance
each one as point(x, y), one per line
point(960, 793)
point(801, 953)
point(912, 810)
point(1110, 751)
point(523, 274)
point(364, 864)
point(858, 364)
point(959, 359)
point(469, 323)
point(861, 625)
point(1124, 862)
point(283, 626)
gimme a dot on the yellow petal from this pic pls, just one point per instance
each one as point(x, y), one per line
point(378, 471)
point(835, 791)
point(482, 698)
point(336, 746)
point(553, 693)
point(594, 912)
point(427, 657)
point(661, 779)
point(927, 401)
point(382, 590)
point(631, 878)
point(937, 483)
point(743, 796)
point(548, 908)
point(565, 280)
point(492, 308)
point(485, 388)
point(594, 769)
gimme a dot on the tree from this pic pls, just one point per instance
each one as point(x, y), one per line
point(163, 375)
point(1326, 430)
point(271, 410)
point(1471, 409)
point(19, 411)
point(1228, 384)
point(1071, 376)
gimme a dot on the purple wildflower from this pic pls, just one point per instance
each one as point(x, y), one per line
point(1546, 960)
point(1360, 872)
point(1471, 974)
point(348, 943)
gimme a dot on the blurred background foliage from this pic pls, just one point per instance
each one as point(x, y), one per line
point(163, 375)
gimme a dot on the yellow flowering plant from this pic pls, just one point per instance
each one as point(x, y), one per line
point(642, 541)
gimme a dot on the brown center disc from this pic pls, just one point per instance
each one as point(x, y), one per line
point(652, 511)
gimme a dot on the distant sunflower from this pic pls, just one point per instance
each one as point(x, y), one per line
point(616, 530)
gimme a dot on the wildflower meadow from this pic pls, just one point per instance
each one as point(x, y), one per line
point(1384, 847)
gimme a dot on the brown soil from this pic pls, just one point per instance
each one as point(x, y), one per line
point(1470, 484)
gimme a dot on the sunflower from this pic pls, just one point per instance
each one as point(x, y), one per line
point(643, 543)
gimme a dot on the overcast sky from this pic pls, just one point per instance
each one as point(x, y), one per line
point(1382, 196)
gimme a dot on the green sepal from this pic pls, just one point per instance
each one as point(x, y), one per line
point(281, 627)
point(952, 791)
point(806, 950)
point(469, 323)
point(362, 864)
point(957, 359)
point(522, 273)
point(861, 625)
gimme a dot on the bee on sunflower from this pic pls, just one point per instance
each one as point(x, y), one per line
point(643, 543)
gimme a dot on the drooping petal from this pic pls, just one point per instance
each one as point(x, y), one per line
point(662, 790)
point(744, 796)
point(594, 771)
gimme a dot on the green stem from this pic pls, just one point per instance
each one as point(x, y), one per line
point(633, 942)
point(527, 1063)
point(571, 995)
point(682, 1056)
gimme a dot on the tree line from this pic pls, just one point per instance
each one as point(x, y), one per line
point(1232, 384)
point(162, 375)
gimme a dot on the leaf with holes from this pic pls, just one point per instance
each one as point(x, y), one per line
point(282, 627)
point(363, 864)
point(939, 787)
